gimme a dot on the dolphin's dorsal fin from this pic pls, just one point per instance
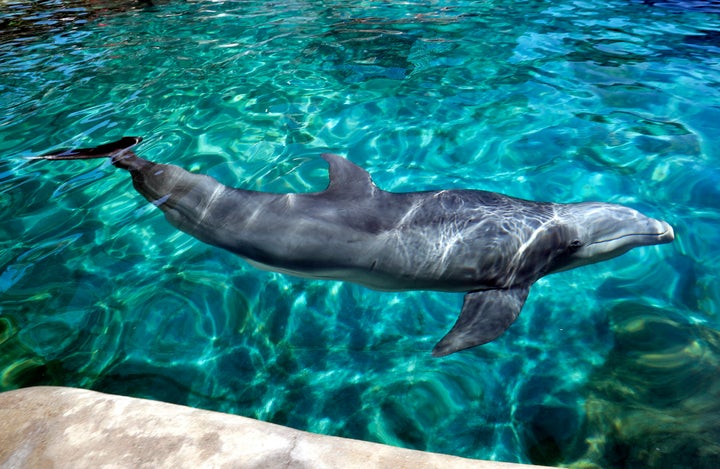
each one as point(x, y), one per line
point(347, 178)
point(484, 316)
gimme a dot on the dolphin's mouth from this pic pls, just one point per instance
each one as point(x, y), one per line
point(666, 236)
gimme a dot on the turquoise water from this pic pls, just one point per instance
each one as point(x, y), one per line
point(611, 365)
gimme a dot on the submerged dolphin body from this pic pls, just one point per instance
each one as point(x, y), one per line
point(492, 246)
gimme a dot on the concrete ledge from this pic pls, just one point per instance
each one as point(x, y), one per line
point(47, 427)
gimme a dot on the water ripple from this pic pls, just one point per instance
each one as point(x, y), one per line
point(564, 101)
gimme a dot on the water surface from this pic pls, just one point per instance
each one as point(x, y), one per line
point(610, 365)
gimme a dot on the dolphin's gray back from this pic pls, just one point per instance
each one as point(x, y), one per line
point(386, 241)
point(451, 240)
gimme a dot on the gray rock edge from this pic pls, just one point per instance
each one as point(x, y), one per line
point(56, 427)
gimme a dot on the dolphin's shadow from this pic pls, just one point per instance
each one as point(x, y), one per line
point(655, 402)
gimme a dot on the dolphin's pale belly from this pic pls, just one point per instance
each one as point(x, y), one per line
point(364, 277)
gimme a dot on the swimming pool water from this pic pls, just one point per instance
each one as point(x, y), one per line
point(611, 365)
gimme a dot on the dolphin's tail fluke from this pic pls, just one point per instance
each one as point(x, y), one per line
point(115, 150)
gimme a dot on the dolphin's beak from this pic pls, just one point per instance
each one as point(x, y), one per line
point(643, 231)
point(668, 235)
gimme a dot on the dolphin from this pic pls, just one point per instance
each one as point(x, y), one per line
point(490, 246)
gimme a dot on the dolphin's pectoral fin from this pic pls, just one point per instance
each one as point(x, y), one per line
point(347, 178)
point(484, 316)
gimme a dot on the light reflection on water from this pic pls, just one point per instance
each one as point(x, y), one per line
point(608, 365)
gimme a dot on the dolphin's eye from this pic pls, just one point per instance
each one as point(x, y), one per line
point(575, 244)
